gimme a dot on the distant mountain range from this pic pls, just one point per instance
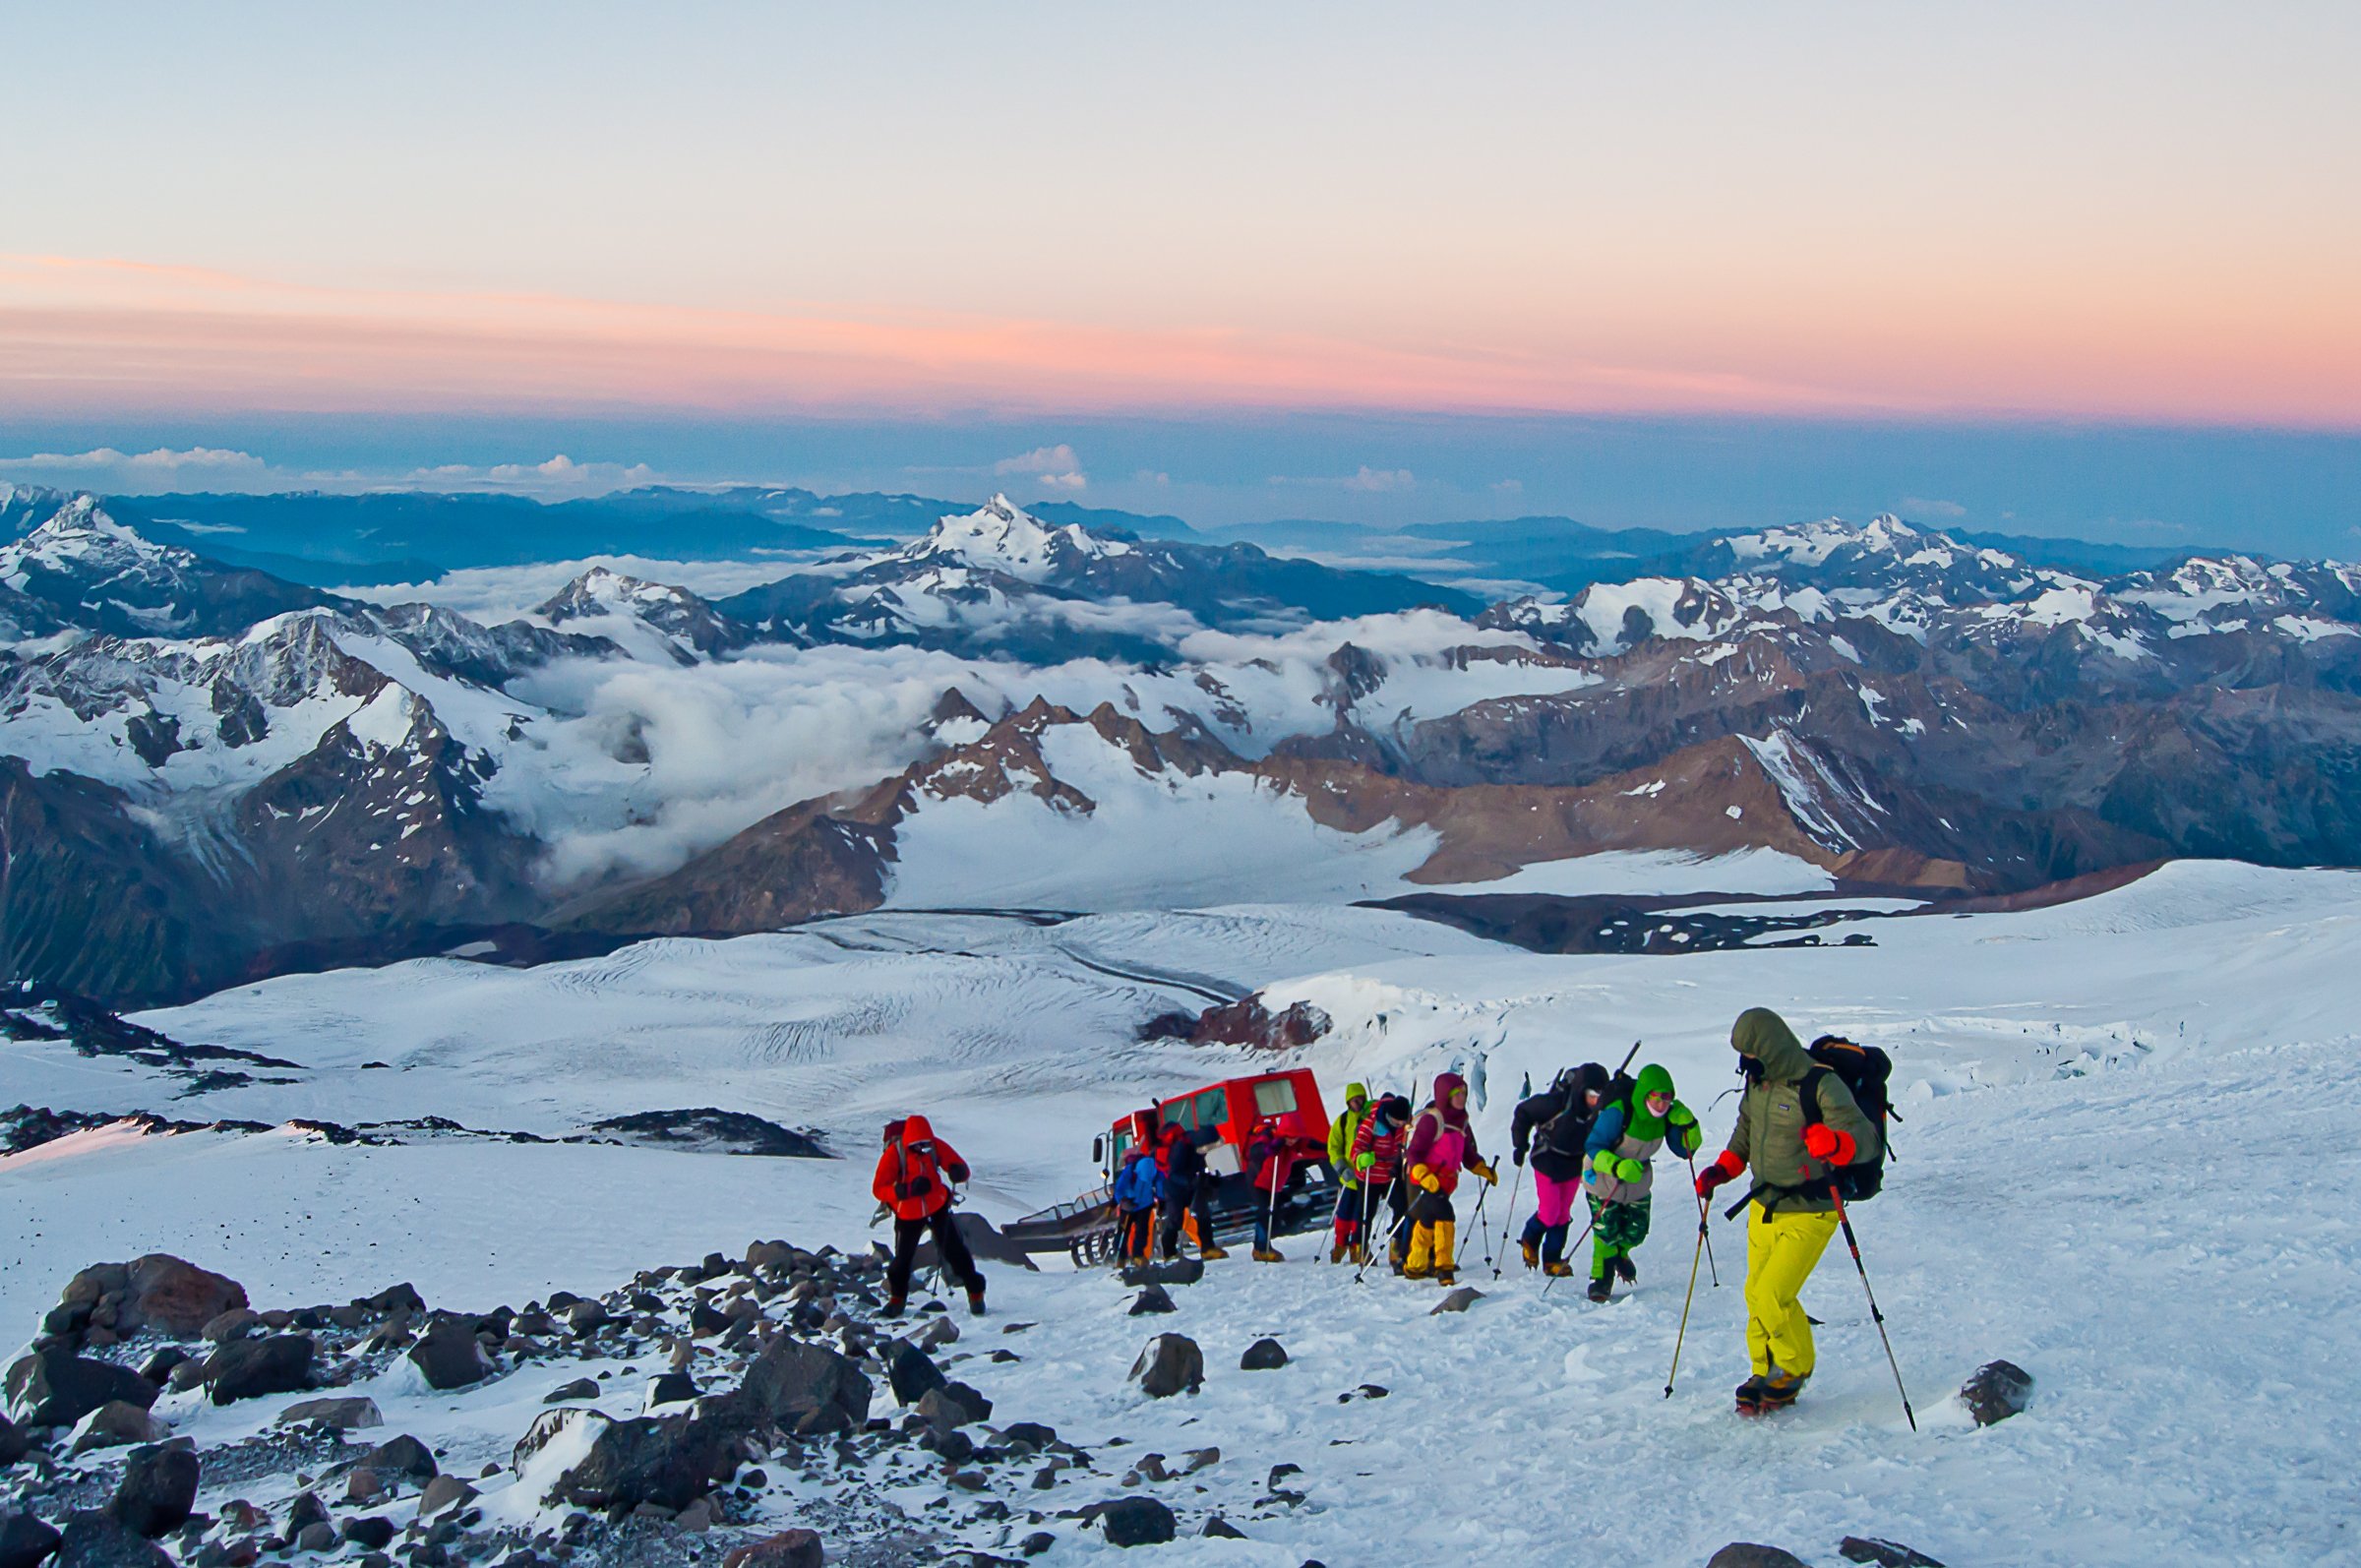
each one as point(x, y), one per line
point(209, 771)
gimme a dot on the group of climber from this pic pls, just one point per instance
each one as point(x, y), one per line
point(1592, 1133)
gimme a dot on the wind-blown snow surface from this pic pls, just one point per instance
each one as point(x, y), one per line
point(2126, 1165)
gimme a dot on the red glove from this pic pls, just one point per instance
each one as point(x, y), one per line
point(1827, 1145)
point(1725, 1168)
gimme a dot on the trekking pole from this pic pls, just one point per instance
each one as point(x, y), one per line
point(1477, 1218)
point(1681, 1337)
point(1360, 1233)
point(1701, 1231)
point(1854, 1246)
point(1508, 1226)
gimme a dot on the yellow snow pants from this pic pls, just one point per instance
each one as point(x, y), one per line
point(1781, 1250)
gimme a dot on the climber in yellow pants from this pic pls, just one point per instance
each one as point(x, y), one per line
point(1781, 1250)
point(1790, 1213)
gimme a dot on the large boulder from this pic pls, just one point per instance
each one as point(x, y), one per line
point(1171, 1364)
point(402, 1456)
point(251, 1369)
point(165, 1294)
point(911, 1372)
point(57, 1388)
point(1996, 1391)
point(1747, 1554)
point(14, 1444)
point(100, 1540)
point(117, 1424)
point(24, 1541)
point(789, 1548)
point(1264, 1355)
point(449, 1354)
point(342, 1414)
point(1136, 1522)
point(157, 1491)
point(670, 1461)
point(802, 1387)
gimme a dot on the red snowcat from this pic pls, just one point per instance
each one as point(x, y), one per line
point(1220, 1117)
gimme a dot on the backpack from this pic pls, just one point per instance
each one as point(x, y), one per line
point(1864, 1071)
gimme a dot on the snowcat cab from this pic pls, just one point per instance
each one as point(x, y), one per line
point(1220, 1117)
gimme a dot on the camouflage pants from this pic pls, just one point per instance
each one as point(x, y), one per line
point(1616, 1229)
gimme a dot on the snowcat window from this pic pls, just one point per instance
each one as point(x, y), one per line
point(1209, 1108)
point(1123, 1141)
point(1276, 1098)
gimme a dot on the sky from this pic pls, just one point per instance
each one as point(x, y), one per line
point(1409, 238)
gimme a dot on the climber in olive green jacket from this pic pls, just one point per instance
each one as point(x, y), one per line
point(1791, 1212)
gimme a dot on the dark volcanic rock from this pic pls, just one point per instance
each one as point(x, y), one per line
point(911, 1372)
point(1884, 1553)
point(1746, 1554)
point(100, 1540)
point(402, 1456)
point(953, 1404)
point(710, 1128)
point(168, 1296)
point(24, 1541)
point(1996, 1391)
point(251, 1369)
point(1247, 1022)
point(789, 1548)
point(670, 1461)
point(57, 1388)
point(1152, 1299)
point(1136, 1522)
point(1264, 1355)
point(807, 1387)
point(1170, 1365)
point(1179, 1271)
point(449, 1356)
point(157, 1490)
point(14, 1444)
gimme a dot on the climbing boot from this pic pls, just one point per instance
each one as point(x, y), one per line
point(1780, 1390)
point(1750, 1395)
point(1265, 1255)
point(1558, 1269)
point(1446, 1252)
point(1626, 1270)
point(975, 1300)
point(1213, 1255)
point(1601, 1288)
point(893, 1305)
point(1533, 1253)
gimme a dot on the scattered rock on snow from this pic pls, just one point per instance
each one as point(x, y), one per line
point(442, 1494)
point(809, 1388)
point(579, 1388)
point(1221, 1528)
point(251, 1369)
point(1996, 1391)
point(669, 1461)
point(1884, 1553)
point(1152, 1299)
point(1171, 1363)
point(343, 1414)
point(1264, 1355)
point(953, 1404)
point(449, 1356)
point(1746, 1554)
point(157, 1490)
point(789, 1548)
point(1457, 1301)
point(14, 1444)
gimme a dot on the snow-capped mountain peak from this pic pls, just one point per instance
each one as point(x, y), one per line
point(1002, 537)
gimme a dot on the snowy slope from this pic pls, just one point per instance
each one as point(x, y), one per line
point(2127, 1145)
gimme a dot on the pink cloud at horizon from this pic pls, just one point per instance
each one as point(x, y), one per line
point(105, 334)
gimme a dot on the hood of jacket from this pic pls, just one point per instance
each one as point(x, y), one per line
point(916, 1130)
point(1764, 1036)
point(1447, 1084)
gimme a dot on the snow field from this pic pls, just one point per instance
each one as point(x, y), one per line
point(2130, 1136)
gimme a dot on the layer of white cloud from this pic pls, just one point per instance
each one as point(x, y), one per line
point(1054, 467)
point(138, 473)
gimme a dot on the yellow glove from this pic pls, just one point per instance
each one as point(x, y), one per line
point(1426, 1179)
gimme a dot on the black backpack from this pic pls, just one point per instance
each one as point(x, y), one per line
point(1864, 1071)
point(1566, 1132)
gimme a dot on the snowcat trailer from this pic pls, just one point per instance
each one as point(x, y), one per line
point(1220, 1117)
